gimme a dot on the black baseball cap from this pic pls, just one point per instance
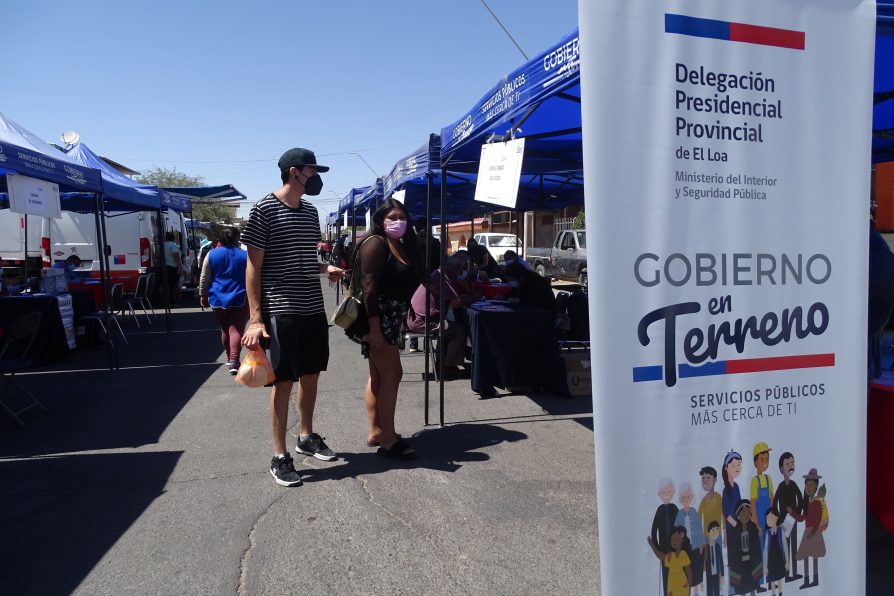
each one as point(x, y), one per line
point(299, 158)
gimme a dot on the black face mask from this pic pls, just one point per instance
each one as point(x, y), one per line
point(313, 185)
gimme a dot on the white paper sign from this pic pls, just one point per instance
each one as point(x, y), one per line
point(399, 195)
point(726, 201)
point(499, 172)
point(33, 196)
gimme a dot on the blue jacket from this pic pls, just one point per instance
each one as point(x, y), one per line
point(227, 266)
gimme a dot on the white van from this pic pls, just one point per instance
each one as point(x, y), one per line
point(497, 244)
point(12, 241)
point(131, 239)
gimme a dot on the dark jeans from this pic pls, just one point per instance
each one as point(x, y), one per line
point(173, 283)
point(232, 323)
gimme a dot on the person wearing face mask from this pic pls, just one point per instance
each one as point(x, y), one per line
point(510, 257)
point(391, 265)
point(530, 288)
point(285, 300)
point(455, 333)
point(487, 267)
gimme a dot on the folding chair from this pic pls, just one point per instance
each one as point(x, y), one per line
point(115, 306)
point(120, 306)
point(405, 336)
point(138, 298)
point(22, 334)
point(150, 291)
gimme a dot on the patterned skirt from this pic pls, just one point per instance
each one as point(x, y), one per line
point(392, 317)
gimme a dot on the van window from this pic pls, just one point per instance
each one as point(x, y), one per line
point(567, 241)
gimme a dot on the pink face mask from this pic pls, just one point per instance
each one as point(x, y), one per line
point(395, 228)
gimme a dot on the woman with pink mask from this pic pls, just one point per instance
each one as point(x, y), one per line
point(389, 264)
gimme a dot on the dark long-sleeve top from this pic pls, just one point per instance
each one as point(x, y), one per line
point(788, 495)
point(382, 275)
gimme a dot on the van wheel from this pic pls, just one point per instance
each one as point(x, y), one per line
point(540, 269)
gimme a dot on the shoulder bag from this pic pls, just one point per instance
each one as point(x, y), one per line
point(348, 311)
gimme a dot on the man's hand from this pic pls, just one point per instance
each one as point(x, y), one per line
point(203, 300)
point(334, 272)
point(251, 339)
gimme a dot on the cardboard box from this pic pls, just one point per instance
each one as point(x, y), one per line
point(577, 372)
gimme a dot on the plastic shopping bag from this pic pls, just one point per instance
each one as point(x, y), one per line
point(255, 370)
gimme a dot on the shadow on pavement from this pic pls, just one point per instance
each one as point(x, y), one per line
point(60, 515)
point(444, 449)
point(130, 407)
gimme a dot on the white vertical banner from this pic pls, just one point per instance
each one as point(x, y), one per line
point(727, 164)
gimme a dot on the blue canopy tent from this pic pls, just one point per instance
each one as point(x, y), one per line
point(223, 192)
point(125, 194)
point(539, 101)
point(121, 193)
point(371, 198)
point(348, 202)
point(22, 152)
point(883, 111)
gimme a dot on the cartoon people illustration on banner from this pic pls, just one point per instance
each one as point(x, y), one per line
point(816, 520)
point(773, 547)
point(714, 561)
point(688, 518)
point(663, 525)
point(710, 508)
point(788, 497)
point(732, 467)
point(744, 552)
point(676, 562)
point(738, 545)
point(761, 487)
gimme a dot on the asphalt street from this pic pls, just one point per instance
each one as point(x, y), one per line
point(154, 480)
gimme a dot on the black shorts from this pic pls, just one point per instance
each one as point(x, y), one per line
point(298, 345)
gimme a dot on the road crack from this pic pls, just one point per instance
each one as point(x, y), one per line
point(246, 554)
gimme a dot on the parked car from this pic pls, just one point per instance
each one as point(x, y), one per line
point(498, 244)
point(565, 259)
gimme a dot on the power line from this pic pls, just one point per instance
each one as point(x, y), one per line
point(505, 30)
point(269, 159)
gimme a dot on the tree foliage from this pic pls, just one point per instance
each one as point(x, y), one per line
point(219, 215)
point(167, 177)
point(579, 221)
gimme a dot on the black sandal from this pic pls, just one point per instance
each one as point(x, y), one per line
point(377, 443)
point(401, 450)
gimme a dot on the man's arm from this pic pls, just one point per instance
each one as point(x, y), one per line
point(256, 329)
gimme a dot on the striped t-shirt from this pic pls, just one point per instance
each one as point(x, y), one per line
point(290, 274)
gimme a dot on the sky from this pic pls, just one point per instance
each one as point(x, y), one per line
point(221, 89)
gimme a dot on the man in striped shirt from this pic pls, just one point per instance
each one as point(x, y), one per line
point(286, 313)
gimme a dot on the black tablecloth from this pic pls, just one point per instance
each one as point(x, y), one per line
point(50, 343)
point(514, 348)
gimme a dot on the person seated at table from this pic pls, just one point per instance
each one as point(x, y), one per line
point(464, 280)
point(532, 289)
point(510, 256)
point(70, 264)
point(487, 267)
point(455, 332)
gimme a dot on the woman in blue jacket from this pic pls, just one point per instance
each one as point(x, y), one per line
point(222, 287)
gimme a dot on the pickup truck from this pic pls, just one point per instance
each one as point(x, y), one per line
point(565, 259)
